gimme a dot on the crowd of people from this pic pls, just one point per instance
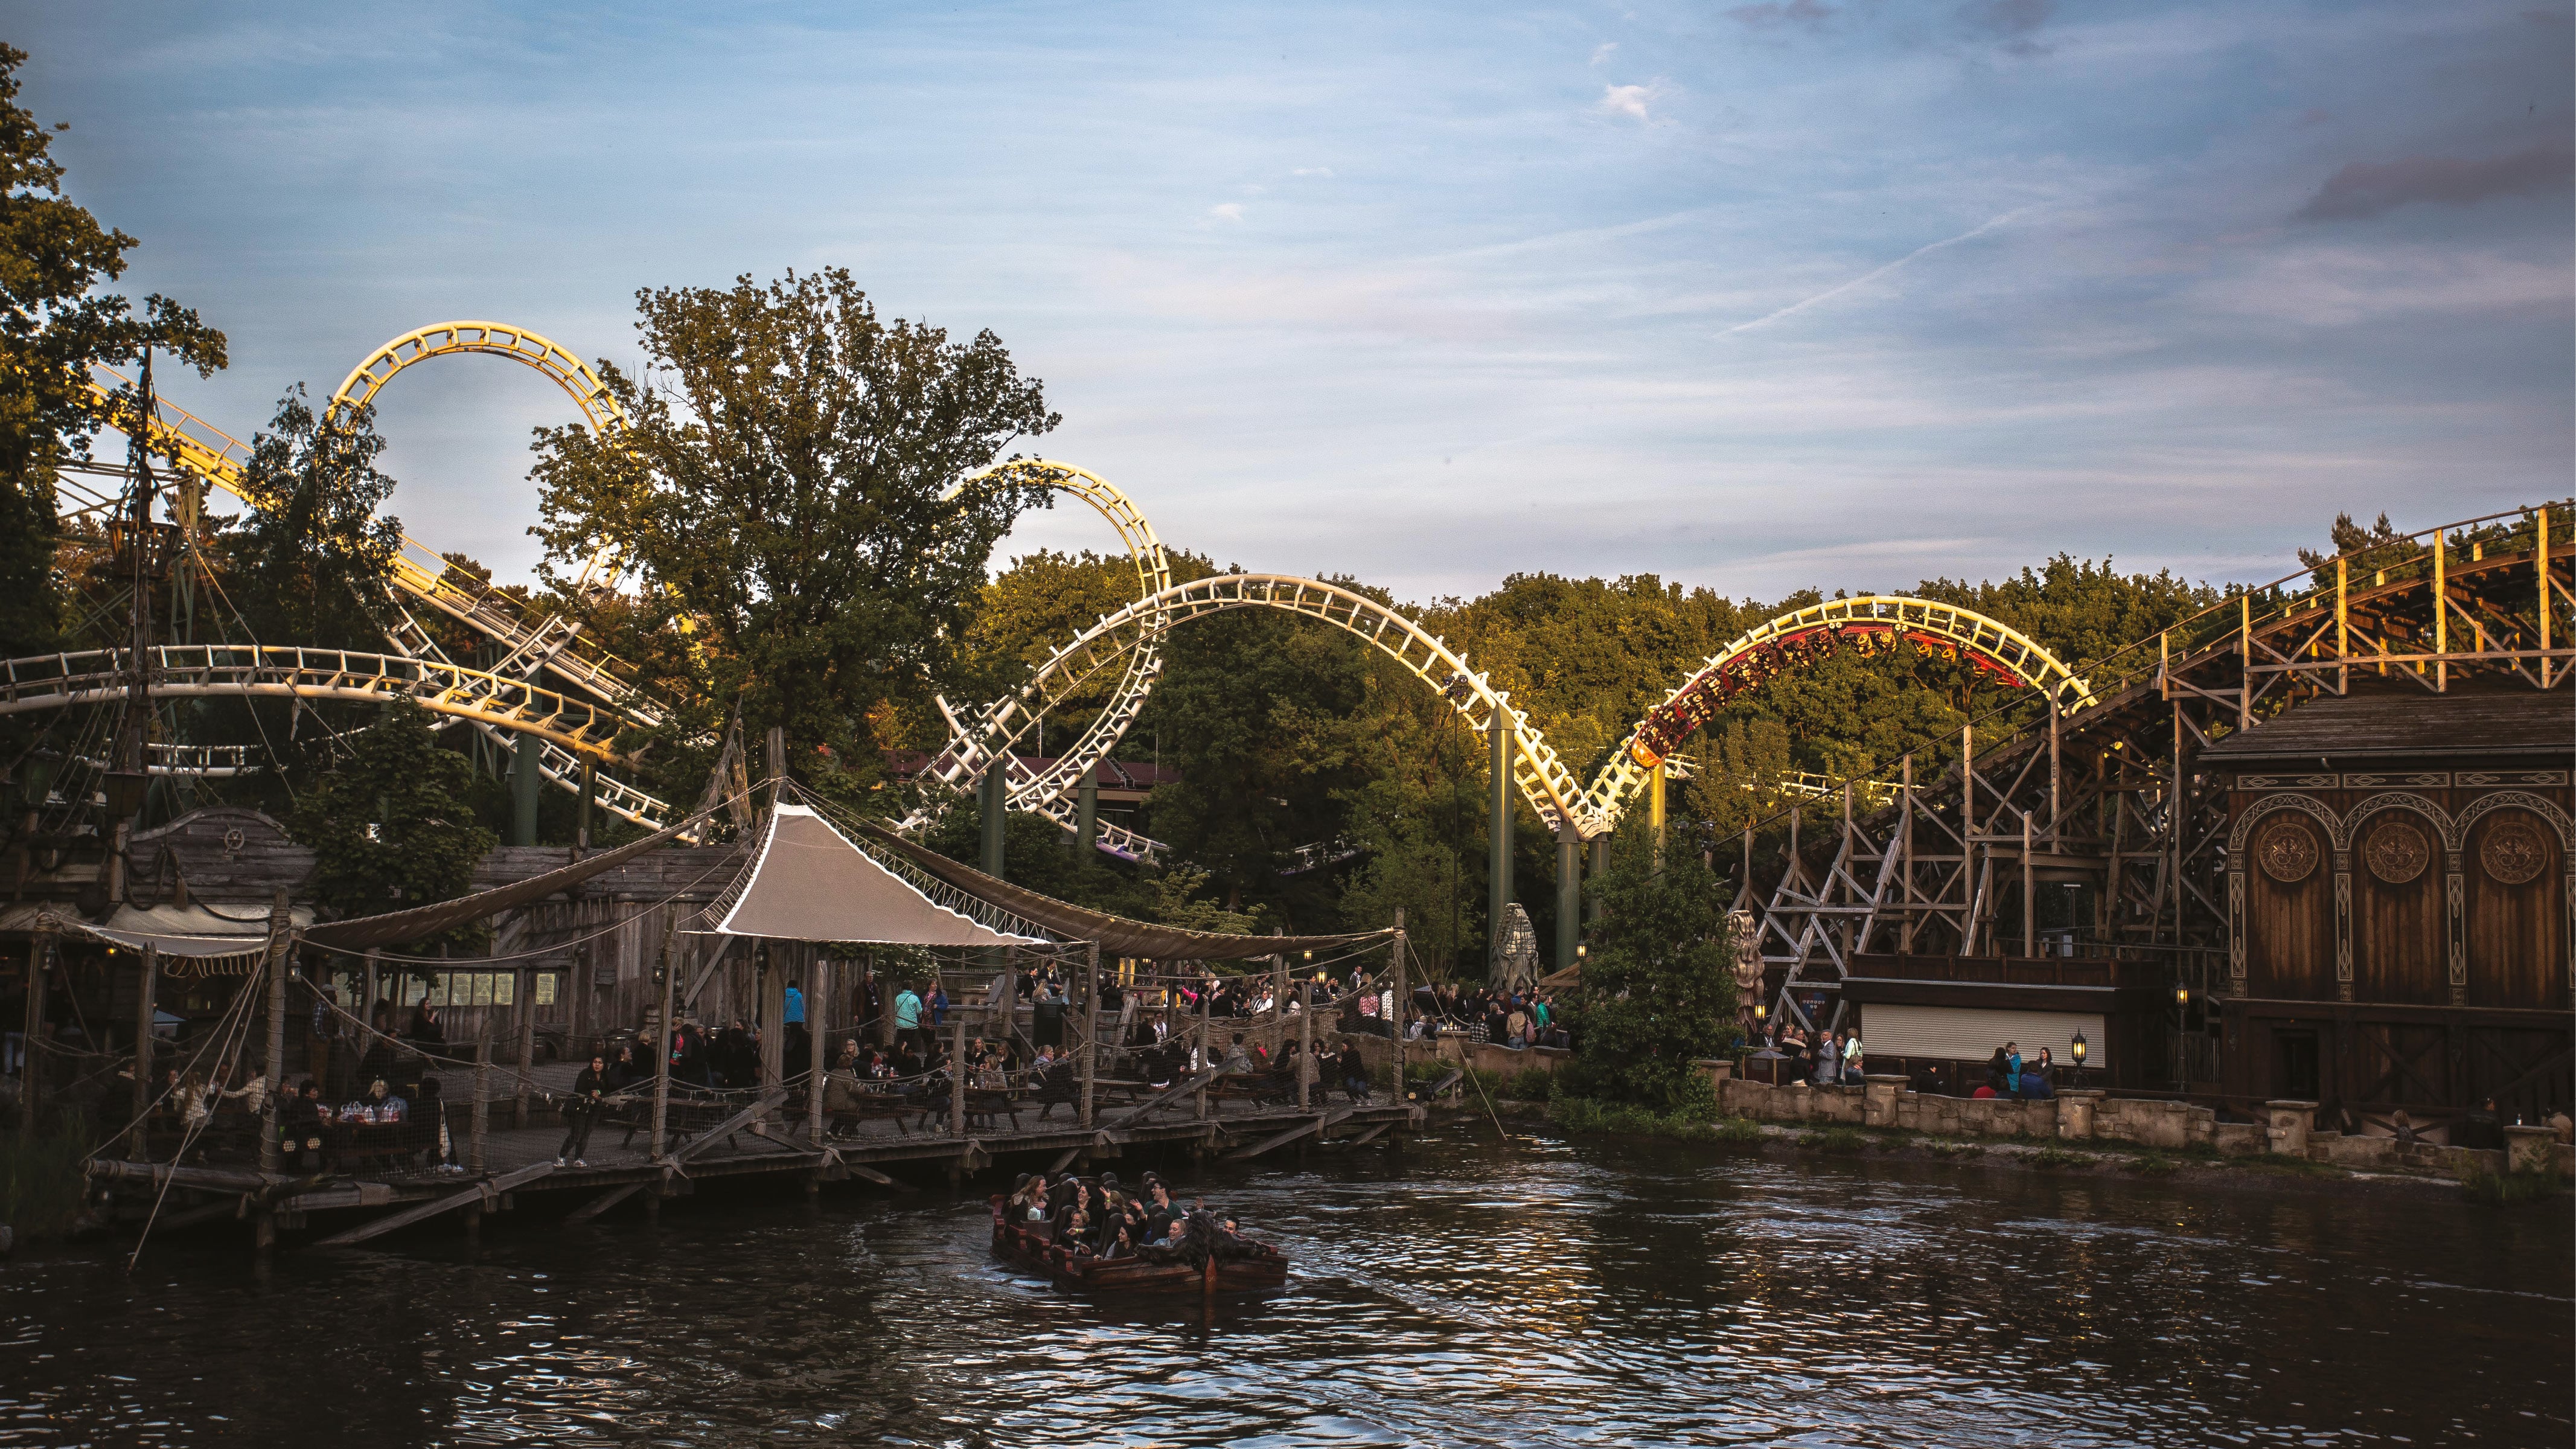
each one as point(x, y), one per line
point(1097, 1218)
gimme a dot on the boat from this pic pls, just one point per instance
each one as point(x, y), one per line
point(1260, 1269)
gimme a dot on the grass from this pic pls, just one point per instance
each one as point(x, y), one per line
point(2152, 1166)
point(1844, 1140)
point(40, 1179)
point(2057, 1157)
point(2505, 1188)
point(1946, 1148)
point(1587, 1115)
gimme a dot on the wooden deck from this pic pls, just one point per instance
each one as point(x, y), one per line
point(518, 1163)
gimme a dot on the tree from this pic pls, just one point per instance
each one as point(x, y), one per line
point(803, 506)
point(391, 827)
point(54, 325)
point(310, 562)
point(1658, 987)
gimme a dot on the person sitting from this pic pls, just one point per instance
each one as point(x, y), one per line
point(1236, 1061)
point(2035, 1083)
point(389, 1105)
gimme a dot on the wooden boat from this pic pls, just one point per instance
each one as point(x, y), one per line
point(1265, 1268)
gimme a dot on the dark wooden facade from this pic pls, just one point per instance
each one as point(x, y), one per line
point(2398, 902)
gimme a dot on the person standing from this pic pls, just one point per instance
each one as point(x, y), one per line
point(580, 1109)
point(1852, 1068)
point(907, 1019)
point(1828, 1061)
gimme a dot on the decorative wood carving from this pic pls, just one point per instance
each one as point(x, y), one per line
point(2397, 852)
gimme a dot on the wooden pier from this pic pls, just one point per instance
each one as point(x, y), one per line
point(518, 1163)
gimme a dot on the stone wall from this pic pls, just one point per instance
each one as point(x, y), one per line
point(1379, 1053)
point(2090, 1116)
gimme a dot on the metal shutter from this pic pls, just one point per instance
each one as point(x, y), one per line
point(1971, 1034)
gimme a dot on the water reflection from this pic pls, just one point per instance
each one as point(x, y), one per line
point(1560, 1294)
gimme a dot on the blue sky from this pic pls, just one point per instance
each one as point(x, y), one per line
point(1754, 296)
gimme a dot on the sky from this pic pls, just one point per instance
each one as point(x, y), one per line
point(1759, 297)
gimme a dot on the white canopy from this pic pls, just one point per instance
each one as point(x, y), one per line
point(809, 883)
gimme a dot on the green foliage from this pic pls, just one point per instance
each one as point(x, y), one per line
point(1842, 1141)
point(2151, 1165)
point(804, 504)
point(1589, 1116)
point(309, 563)
point(391, 828)
point(55, 323)
point(2505, 1188)
point(2057, 1157)
point(1659, 986)
point(1530, 1084)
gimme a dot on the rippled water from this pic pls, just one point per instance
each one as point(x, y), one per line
point(1556, 1293)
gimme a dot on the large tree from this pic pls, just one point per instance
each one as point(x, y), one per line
point(309, 563)
point(1658, 988)
point(54, 324)
point(391, 826)
point(803, 501)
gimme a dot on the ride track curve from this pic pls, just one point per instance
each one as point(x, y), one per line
point(500, 701)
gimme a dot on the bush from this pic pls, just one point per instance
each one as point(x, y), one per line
point(1592, 1115)
point(1834, 1139)
point(1531, 1084)
point(2501, 1188)
point(2053, 1157)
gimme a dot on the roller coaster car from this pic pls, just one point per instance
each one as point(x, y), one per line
point(1260, 1268)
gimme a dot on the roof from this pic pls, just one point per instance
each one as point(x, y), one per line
point(809, 883)
point(2384, 726)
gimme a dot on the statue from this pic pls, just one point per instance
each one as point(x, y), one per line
point(1515, 962)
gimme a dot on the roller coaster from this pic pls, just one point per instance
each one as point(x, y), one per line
point(2118, 744)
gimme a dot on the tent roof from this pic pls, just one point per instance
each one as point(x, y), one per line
point(809, 883)
point(192, 931)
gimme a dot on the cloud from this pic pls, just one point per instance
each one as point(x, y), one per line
point(1630, 100)
point(1798, 12)
point(2375, 188)
point(2012, 21)
point(1604, 51)
point(1229, 211)
point(1324, 171)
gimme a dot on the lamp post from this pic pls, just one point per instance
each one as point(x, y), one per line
point(2077, 1050)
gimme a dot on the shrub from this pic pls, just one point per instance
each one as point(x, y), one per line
point(1530, 1084)
point(2054, 1157)
point(2152, 1166)
point(2501, 1188)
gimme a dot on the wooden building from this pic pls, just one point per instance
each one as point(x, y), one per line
point(2398, 902)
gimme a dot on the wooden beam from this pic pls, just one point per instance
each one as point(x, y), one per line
point(602, 1203)
point(728, 1126)
point(870, 1174)
point(469, 1196)
point(1190, 1082)
point(1282, 1139)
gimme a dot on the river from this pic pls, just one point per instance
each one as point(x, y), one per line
point(1548, 1292)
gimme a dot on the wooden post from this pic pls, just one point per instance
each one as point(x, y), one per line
point(818, 990)
point(1305, 1041)
point(1905, 872)
point(1090, 1025)
point(367, 1008)
point(150, 977)
point(662, 1047)
point(2343, 628)
point(1403, 1002)
point(525, 988)
point(1278, 1003)
point(281, 938)
point(1010, 995)
point(2245, 661)
point(2056, 773)
point(2540, 568)
point(482, 1096)
point(2441, 618)
point(31, 1076)
point(956, 1070)
point(1207, 1057)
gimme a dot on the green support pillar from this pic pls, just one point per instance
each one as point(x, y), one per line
point(1600, 868)
point(525, 778)
point(1569, 894)
point(1498, 826)
point(1086, 814)
point(995, 790)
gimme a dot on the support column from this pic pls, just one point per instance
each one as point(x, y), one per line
point(1569, 894)
point(1655, 809)
point(993, 792)
point(771, 1014)
point(1207, 1059)
point(1403, 1004)
point(144, 989)
point(2029, 894)
point(1600, 868)
point(662, 1046)
point(1090, 1025)
point(526, 991)
point(525, 780)
point(281, 939)
point(1498, 829)
point(589, 799)
point(1086, 815)
point(956, 1072)
point(481, 1129)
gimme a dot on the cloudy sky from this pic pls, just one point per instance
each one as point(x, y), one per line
point(1756, 296)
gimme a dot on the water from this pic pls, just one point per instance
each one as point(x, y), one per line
point(1599, 1293)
